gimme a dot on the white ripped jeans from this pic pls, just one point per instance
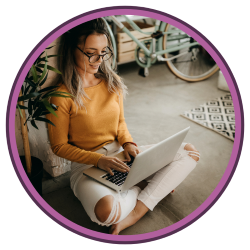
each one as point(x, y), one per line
point(160, 184)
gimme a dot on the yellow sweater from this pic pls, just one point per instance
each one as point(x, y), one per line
point(76, 136)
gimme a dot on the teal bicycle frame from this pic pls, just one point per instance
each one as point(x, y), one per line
point(151, 55)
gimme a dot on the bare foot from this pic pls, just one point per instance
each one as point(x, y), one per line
point(137, 213)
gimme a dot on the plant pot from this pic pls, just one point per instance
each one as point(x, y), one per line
point(36, 172)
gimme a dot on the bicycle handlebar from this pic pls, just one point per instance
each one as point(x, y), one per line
point(117, 22)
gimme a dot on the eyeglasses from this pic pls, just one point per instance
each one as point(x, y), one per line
point(94, 58)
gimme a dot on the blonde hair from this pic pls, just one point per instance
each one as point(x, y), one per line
point(66, 62)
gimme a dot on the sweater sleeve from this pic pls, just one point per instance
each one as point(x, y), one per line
point(58, 135)
point(123, 134)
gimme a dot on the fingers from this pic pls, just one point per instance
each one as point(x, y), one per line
point(110, 171)
point(127, 155)
point(132, 150)
point(121, 165)
point(110, 163)
point(138, 151)
point(134, 153)
point(116, 167)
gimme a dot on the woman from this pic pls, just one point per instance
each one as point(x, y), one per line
point(91, 129)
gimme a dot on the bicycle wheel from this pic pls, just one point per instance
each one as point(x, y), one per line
point(196, 65)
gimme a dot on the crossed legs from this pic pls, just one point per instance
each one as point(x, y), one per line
point(161, 184)
point(104, 208)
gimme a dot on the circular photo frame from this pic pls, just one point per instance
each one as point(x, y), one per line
point(239, 124)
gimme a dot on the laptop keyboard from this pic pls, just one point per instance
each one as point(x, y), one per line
point(119, 177)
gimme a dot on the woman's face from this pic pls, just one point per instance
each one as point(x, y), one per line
point(94, 44)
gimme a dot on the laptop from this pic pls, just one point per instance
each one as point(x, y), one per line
point(142, 166)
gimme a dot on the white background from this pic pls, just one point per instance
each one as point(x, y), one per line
point(24, 24)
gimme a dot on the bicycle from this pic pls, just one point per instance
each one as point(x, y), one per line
point(185, 57)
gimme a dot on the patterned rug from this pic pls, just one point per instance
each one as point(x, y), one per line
point(217, 115)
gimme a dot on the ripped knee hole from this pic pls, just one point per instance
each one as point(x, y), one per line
point(192, 152)
point(107, 210)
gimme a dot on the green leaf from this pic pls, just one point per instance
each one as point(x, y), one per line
point(51, 47)
point(33, 90)
point(44, 70)
point(30, 106)
point(33, 124)
point(48, 93)
point(41, 65)
point(21, 106)
point(40, 54)
point(20, 110)
point(37, 112)
point(29, 96)
point(55, 70)
point(30, 78)
point(44, 80)
point(26, 90)
point(44, 120)
point(48, 107)
point(36, 101)
point(47, 89)
point(39, 70)
point(45, 113)
point(30, 82)
point(53, 56)
point(34, 73)
point(43, 59)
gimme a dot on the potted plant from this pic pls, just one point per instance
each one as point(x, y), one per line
point(35, 100)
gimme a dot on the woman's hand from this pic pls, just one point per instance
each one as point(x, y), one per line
point(108, 163)
point(131, 149)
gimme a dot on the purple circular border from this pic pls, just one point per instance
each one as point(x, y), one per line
point(209, 202)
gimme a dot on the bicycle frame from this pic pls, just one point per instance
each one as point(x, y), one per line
point(149, 52)
point(113, 42)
